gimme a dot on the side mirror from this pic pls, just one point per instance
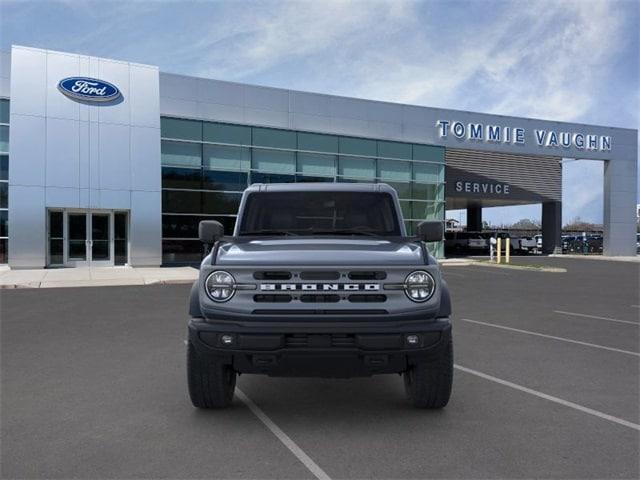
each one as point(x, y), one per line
point(210, 231)
point(430, 231)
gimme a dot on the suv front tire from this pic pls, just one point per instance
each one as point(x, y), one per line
point(211, 382)
point(428, 383)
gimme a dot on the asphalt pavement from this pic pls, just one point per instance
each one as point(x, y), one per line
point(546, 385)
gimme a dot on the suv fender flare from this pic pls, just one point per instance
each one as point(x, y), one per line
point(194, 302)
point(445, 301)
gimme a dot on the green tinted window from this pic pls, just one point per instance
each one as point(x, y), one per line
point(317, 164)
point(428, 172)
point(317, 143)
point(410, 227)
point(427, 210)
point(403, 189)
point(406, 210)
point(221, 203)
point(4, 111)
point(271, 137)
point(394, 150)
point(4, 139)
point(4, 167)
point(224, 133)
point(225, 157)
point(428, 153)
point(181, 154)
point(428, 191)
point(394, 170)
point(358, 167)
point(358, 146)
point(182, 129)
point(273, 161)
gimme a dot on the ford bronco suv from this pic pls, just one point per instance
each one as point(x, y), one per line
point(319, 280)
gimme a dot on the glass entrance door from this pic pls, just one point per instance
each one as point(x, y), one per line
point(77, 239)
point(82, 238)
point(100, 243)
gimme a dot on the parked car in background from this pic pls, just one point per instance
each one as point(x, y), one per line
point(582, 244)
point(470, 243)
point(528, 245)
point(538, 247)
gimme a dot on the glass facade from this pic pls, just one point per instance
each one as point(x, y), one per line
point(4, 180)
point(206, 166)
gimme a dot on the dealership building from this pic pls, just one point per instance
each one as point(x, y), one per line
point(107, 162)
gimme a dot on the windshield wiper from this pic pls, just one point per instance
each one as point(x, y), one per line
point(266, 231)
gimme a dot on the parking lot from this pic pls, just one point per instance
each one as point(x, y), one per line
point(546, 385)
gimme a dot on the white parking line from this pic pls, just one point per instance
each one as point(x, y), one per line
point(609, 319)
point(283, 437)
point(562, 339)
point(551, 398)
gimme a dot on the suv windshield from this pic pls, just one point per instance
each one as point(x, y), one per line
point(320, 213)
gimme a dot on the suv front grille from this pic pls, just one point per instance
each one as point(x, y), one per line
point(267, 298)
point(319, 275)
point(319, 298)
point(321, 287)
point(363, 298)
point(272, 275)
point(367, 275)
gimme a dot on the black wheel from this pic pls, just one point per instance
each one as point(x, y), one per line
point(211, 382)
point(428, 383)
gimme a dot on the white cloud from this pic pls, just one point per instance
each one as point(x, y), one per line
point(545, 59)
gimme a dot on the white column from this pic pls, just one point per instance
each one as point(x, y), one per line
point(620, 199)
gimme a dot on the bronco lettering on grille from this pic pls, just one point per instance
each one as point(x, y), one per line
point(324, 287)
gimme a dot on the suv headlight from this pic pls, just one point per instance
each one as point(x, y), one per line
point(220, 286)
point(419, 286)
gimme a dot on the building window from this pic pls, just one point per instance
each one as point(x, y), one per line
point(207, 165)
point(223, 133)
point(4, 138)
point(316, 164)
point(4, 181)
point(313, 142)
point(224, 157)
point(274, 138)
point(358, 168)
point(358, 146)
point(273, 161)
point(394, 150)
point(181, 129)
point(181, 154)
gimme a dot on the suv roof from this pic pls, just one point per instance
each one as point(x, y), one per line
point(321, 187)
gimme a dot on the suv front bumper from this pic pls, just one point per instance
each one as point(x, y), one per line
point(336, 349)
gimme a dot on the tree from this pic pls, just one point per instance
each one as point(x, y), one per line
point(579, 225)
point(525, 224)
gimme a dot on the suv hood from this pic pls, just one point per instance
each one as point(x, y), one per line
point(320, 251)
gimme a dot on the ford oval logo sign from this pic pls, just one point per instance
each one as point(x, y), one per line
point(89, 89)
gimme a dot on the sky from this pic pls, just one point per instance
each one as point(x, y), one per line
point(558, 60)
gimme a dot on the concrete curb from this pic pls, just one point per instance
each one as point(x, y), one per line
point(520, 267)
point(97, 283)
point(635, 259)
point(96, 277)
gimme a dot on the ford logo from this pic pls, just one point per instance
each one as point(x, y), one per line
point(89, 89)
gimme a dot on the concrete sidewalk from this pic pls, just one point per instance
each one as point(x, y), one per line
point(94, 277)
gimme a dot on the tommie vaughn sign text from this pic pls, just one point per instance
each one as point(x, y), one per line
point(479, 132)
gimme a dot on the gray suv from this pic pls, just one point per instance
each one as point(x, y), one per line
point(319, 280)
